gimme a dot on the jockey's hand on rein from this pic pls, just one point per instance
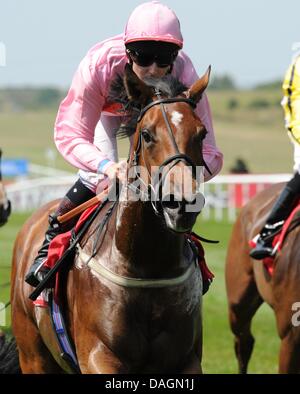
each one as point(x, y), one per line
point(117, 170)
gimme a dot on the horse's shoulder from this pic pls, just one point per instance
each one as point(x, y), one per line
point(254, 213)
point(45, 209)
point(39, 217)
point(263, 201)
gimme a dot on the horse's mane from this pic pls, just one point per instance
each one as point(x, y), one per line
point(168, 85)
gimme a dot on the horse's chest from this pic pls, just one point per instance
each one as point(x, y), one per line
point(164, 306)
point(161, 325)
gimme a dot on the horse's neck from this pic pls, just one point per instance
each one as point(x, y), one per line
point(143, 241)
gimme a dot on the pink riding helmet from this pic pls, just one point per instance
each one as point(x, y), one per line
point(153, 21)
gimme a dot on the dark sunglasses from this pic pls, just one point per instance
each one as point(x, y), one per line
point(147, 59)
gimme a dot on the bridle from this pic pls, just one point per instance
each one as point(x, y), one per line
point(158, 180)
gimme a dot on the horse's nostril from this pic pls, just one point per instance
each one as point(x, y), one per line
point(170, 202)
point(193, 202)
point(181, 206)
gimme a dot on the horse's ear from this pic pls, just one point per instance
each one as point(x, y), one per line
point(196, 90)
point(135, 88)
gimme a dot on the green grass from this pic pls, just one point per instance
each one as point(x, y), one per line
point(30, 134)
point(255, 134)
point(218, 352)
point(218, 355)
point(7, 236)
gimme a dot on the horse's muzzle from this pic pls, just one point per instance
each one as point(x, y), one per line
point(181, 215)
point(5, 212)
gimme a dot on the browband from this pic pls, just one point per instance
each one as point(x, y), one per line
point(166, 101)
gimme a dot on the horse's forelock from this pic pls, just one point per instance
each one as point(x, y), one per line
point(168, 86)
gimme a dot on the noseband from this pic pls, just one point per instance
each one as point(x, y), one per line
point(173, 160)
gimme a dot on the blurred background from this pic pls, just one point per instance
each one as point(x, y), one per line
point(248, 44)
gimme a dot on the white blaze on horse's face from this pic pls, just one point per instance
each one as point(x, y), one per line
point(176, 118)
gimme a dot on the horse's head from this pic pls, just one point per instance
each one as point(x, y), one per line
point(5, 206)
point(167, 146)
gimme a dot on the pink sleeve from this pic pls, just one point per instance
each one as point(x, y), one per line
point(212, 155)
point(77, 117)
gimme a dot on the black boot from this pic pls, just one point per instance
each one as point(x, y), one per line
point(280, 211)
point(77, 195)
point(264, 241)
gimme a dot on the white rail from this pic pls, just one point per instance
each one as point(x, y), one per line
point(224, 195)
point(28, 195)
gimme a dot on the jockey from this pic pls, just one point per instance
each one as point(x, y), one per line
point(85, 125)
point(291, 193)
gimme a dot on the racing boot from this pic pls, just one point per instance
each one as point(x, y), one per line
point(77, 195)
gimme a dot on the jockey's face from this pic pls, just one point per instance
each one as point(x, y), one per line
point(151, 71)
point(151, 58)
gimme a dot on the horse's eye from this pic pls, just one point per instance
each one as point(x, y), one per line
point(146, 135)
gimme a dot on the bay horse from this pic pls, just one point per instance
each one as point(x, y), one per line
point(151, 323)
point(5, 206)
point(249, 284)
